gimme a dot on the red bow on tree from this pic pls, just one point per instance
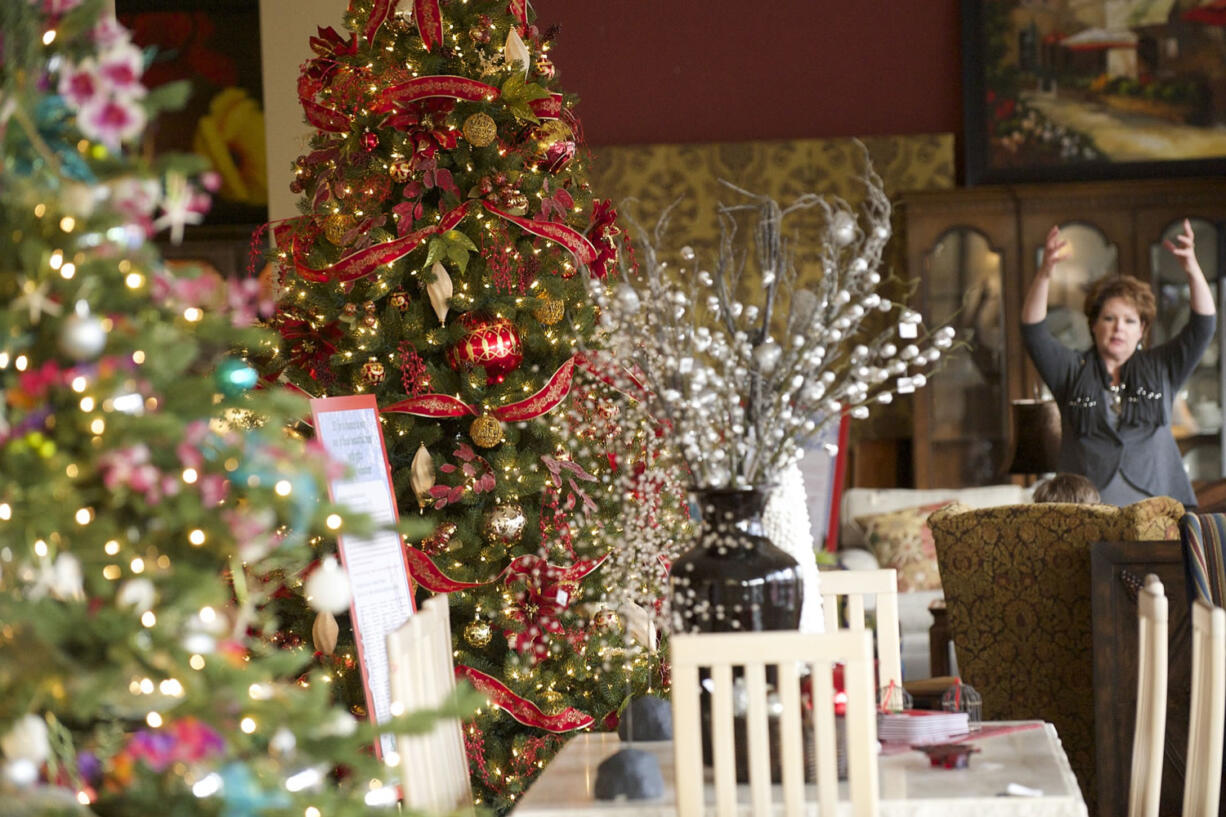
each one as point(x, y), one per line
point(542, 593)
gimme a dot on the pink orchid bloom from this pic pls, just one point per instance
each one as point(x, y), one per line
point(58, 7)
point(248, 301)
point(108, 33)
point(213, 488)
point(120, 68)
point(111, 120)
point(79, 84)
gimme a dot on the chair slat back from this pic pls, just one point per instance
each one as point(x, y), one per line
point(753, 654)
point(434, 766)
point(1149, 734)
point(1207, 711)
point(855, 586)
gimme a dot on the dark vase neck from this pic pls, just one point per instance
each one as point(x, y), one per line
point(726, 509)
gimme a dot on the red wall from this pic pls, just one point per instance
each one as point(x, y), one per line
point(716, 70)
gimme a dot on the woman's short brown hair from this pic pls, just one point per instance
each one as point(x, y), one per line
point(1132, 290)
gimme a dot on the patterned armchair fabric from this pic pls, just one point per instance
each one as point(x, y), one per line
point(1202, 536)
point(1017, 588)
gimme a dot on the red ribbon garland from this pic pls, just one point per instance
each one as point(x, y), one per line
point(549, 107)
point(446, 85)
point(521, 709)
point(364, 262)
point(442, 405)
point(519, 8)
point(324, 117)
point(429, 22)
point(426, 573)
point(378, 16)
point(571, 239)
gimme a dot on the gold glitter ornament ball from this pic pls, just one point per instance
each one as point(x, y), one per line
point(373, 372)
point(607, 619)
point(549, 310)
point(480, 130)
point(552, 702)
point(504, 523)
point(486, 431)
point(336, 226)
point(400, 170)
point(478, 633)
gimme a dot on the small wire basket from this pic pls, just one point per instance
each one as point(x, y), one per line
point(963, 698)
point(892, 698)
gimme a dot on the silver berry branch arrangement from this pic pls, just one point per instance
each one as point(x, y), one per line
point(746, 380)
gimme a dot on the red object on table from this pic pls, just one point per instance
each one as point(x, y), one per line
point(948, 755)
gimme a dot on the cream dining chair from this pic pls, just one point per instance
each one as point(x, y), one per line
point(1207, 711)
point(433, 766)
point(754, 652)
point(1149, 734)
point(855, 586)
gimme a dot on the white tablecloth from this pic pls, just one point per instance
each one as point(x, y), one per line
point(910, 786)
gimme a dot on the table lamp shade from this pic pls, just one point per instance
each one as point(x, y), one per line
point(1036, 430)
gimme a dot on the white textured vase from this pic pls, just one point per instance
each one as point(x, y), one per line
point(786, 523)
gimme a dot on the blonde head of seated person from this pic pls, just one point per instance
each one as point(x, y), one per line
point(1067, 488)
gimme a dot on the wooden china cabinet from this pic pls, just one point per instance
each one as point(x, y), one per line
point(972, 253)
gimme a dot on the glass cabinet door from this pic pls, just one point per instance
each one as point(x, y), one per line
point(1197, 413)
point(963, 283)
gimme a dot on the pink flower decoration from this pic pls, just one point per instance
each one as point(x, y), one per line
point(247, 301)
point(58, 7)
point(253, 530)
point(120, 68)
point(108, 33)
point(111, 121)
point(212, 489)
point(80, 84)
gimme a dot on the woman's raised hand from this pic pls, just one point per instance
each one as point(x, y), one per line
point(1184, 248)
point(1055, 250)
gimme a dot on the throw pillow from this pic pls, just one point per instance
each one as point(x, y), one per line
point(901, 540)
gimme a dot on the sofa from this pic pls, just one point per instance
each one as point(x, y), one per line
point(884, 527)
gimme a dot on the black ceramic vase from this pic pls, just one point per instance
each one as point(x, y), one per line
point(734, 579)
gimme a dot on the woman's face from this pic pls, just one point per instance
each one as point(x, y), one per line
point(1117, 330)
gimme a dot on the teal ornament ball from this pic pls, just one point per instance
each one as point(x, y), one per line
point(234, 376)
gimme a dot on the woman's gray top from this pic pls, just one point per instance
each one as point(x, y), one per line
point(1138, 446)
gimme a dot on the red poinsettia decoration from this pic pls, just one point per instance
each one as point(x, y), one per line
point(317, 73)
point(308, 348)
point(604, 234)
point(542, 593)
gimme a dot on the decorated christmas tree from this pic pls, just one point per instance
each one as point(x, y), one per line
point(150, 503)
point(439, 264)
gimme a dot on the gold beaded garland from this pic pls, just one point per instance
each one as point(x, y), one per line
point(486, 431)
point(480, 130)
point(549, 310)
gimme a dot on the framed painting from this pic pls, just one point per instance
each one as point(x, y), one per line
point(1065, 90)
point(213, 45)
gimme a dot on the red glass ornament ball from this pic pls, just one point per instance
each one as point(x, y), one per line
point(489, 342)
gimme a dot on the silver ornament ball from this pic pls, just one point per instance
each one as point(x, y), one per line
point(82, 335)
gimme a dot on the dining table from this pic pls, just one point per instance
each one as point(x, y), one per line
point(1019, 770)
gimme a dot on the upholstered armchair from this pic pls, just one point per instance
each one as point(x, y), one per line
point(1017, 588)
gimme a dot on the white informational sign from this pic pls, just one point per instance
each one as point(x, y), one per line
point(348, 428)
point(822, 468)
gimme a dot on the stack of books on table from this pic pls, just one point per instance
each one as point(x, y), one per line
point(918, 726)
